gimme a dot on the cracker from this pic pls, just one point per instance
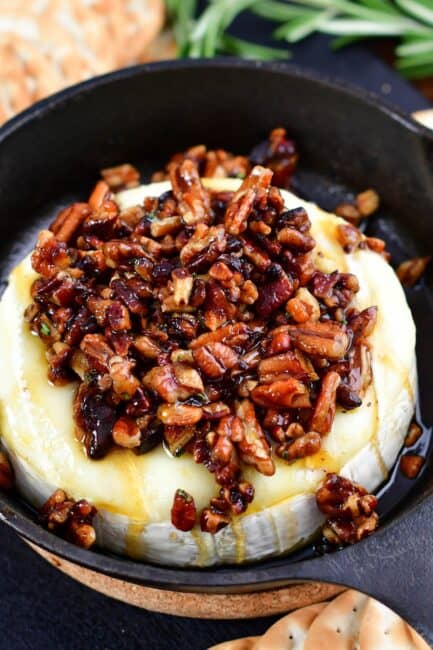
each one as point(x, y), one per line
point(383, 629)
point(338, 625)
point(290, 632)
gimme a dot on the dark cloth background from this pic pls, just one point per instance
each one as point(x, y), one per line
point(42, 609)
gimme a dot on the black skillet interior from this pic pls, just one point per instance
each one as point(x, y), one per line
point(348, 142)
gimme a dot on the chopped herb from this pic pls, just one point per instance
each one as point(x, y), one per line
point(184, 495)
point(125, 396)
point(45, 329)
point(201, 397)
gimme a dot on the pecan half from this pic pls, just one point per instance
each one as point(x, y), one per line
point(292, 363)
point(253, 189)
point(324, 410)
point(286, 393)
point(193, 200)
point(251, 441)
point(180, 415)
point(327, 340)
point(304, 445)
point(215, 359)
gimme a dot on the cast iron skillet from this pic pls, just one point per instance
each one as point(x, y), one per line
point(349, 141)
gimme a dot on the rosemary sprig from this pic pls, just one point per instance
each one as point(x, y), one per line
point(206, 35)
point(351, 20)
point(411, 21)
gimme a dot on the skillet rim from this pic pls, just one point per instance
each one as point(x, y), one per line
point(220, 579)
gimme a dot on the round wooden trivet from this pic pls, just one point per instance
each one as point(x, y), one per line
point(200, 605)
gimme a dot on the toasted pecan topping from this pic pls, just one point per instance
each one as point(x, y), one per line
point(7, 477)
point(183, 511)
point(350, 510)
point(69, 519)
point(411, 464)
point(413, 435)
point(410, 271)
point(200, 321)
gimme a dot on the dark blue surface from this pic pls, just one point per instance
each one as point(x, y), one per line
point(42, 609)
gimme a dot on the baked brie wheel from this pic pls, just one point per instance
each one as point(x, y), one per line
point(134, 493)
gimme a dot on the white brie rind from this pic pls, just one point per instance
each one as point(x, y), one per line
point(134, 494)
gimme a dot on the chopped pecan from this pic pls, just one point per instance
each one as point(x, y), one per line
point(358, 377)
point(295, 240)
point(212, 521)
point(97, 352)
point(253, 189)
point(304, 445)
point(183, 511)
point(276, 290)
point(349, 212)
point(69, 220)
point(121, 177)
point(249, 293)
point(215, 359)
point(232, 335)
point(255, 254)
point(327, 339)
point(363, 324)
point(279, 154)
point(377, 246)
point(413, 435)
point(324, 410)
point(204, 247)
point(335, 289)
point(180, 415)
point(411, 464)
point(101, 193)
point(193, 200)
point(166, 226)
point(251, 442)
point(349, 237)
point(303, 306)
point(50, 255)
point(286, 393)
point(410, 271)
point(95, 417)
point(124, 381)
point(217, 308)
point(182, 286)
point(292, 363)
point(367, 202)
point(146, 347)
point(280, 342)
point(174, 382)
point(126, 433)
point(7, 477)
point(177, 436)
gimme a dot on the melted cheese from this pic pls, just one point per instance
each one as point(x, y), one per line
point(134, 494)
